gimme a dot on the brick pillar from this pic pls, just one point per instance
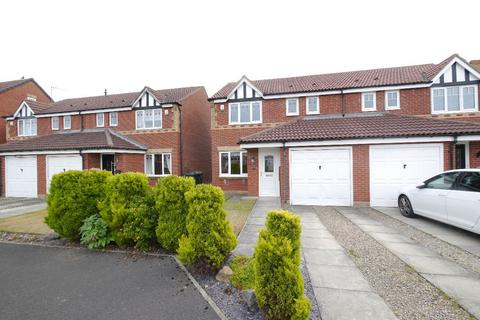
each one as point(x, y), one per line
point(253, 167)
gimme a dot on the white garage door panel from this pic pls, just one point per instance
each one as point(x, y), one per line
point(21, 176)
point(58, 164)
point(393, 167)
point(321, 177)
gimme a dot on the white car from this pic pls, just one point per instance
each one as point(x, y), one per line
point(452, 197)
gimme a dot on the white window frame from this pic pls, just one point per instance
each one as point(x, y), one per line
point(460, 95)
point(364, 94)
point(153, 119)
point(23, 121)
point(238, 112)
point(153, 164)
point(229, 174)
point(65, 126)
point(58, 123)
point(397, 106)
point(318, 105)
point(110, 122)
point(298, 107)
point(98, 116)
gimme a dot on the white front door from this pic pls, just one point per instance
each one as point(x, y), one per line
point(21, 176)
point(321, 176)
point(58, 164)
point(269, 172)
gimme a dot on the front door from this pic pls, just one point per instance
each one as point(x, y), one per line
point(269, 172)
point(461, 156)
point(108, 162)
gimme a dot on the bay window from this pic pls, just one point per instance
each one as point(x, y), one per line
point(233, 163)
point(149, 119)
point(158, 164)
point(245, 112)
point(454, 99)
point(27, 127)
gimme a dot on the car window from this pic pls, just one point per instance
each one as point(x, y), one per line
point(470, 182)
point(443, 181)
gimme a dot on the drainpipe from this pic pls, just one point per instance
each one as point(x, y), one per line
point(343, 103)
point(180, 140)
point(284, 172)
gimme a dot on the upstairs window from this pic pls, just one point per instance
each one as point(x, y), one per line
point(100, 119)
point(454, 99)
point(149, 119)
point(245, 112)
point(113, 119)
point(159, 164)
point(67, 122)
point(392, 100)
point(369, 101)
point(55, 123)
point(233, 163)
point(292, 107)
point(313, 105)
point(27, 127)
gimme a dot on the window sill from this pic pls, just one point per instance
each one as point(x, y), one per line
point(455, 112)
point(292, 114)
point(232, 177)
point(147, 129)
point(391, 108)
point(312, 113)
point(243, 123)
point(369, 110)
point(157, 175)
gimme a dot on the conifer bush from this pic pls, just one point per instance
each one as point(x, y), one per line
point(172, 209)
point(209, 237)
point(73, 197)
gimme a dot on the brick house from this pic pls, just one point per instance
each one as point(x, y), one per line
point(351, 138)
point(158, 132)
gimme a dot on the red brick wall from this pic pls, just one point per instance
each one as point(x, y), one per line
point(475, 154)
point(129, 162)
point(2, 172)
point(41, 174)
point(253, 170)
point(91, 160)
point(361, 173)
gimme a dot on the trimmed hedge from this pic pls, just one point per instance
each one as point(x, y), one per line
point(278, 280)
point(73, 197)
point(209, 237)
point(172, 209)
point(129, 210)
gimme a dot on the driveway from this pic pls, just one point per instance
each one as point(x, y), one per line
point(58, 283)
point(16, 206)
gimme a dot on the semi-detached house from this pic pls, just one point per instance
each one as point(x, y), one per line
point(158, 132)
point(350, 138)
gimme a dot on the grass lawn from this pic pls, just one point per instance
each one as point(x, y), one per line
point(237, 211)
point(26, 223)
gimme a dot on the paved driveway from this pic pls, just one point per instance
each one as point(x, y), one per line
point(56, 283)
point(15, 206)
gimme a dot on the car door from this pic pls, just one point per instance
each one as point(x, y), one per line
point(430, 200)
point(463, 202)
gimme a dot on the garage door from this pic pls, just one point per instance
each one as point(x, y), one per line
point(21, 176)
point(321, 176)
point(58, 164)
point(393, 167)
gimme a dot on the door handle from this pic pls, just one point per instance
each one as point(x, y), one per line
point(319, 167)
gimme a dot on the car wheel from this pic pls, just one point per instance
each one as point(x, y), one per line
point(405, 206)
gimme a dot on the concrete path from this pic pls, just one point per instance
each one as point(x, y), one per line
point(460, 284)
point(340, 288)
point(463, 239)
point(16, 206)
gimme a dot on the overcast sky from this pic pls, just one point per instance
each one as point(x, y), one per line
point(83, 47)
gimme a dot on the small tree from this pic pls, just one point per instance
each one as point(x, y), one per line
point(73, 197)
point(172, 209)
point(209, 237)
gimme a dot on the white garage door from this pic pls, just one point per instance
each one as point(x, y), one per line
point(321, 176)
point(393, 167)
point(58, 164)
point(21, 176)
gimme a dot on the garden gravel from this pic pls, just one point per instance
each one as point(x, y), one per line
point(408, 294)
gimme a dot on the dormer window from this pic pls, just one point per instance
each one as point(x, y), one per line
point(27, 127)
point(369, 101)
point(454, 99)
point(149, 119)
point(245, 112)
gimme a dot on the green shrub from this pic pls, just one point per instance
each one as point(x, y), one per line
point(94, 233)
point(243, 276)
point(209, 237)
point(73, 196)
point(278, 280)
point(128, 210)
point(172, 209)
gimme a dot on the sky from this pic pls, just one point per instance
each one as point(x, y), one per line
point(81, 48)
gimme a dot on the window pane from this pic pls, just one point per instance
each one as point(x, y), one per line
point(113, 118)
point(312, 104)
point(438, 100)
point(292, 105)
point(67, 121)
point(27, 128)
point(55, 123)
point(99, 120)
point(148, 118)
point(392, 99)
point(234, 162)
point(149, 164)
point(453, 99)
point(470, 182)
point(34, 126)
point(140, 119)
point(255, 111)
point(157, 115)
point(167, 164)
point(245, 112)
point(368, 100)
point(234, 112)
point(469, 98)
point(224, 162)
point(269, 164)
point(444, 181)
point(158, 164)
point(244, 163)
point(20, 127)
